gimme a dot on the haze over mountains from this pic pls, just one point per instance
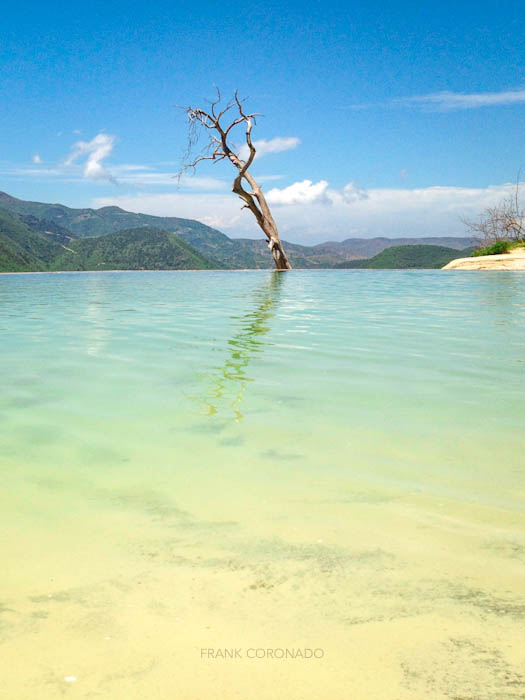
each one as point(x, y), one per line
point(36, 236)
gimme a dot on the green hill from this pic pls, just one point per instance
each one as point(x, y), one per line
point(82, 223)
point(143, 248)
point(28, 244)
point(23, 248)
point(406, 257)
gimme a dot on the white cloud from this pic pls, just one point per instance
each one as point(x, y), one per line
point(308, 192)
point(96, 150)
point(276, 145)
point(430, 211)
point(305, 192)
point(350, 193)
point(36, 159)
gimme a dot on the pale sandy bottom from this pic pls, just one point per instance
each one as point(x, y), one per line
point(120, 583)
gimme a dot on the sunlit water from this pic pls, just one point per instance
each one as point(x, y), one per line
point(326, 460)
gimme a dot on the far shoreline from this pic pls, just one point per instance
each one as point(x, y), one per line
point(251, 269)
point(242, 269)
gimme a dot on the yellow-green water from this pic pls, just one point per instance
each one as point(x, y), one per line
point(261, 461)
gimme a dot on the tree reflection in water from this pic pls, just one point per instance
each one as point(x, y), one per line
point(230, 380)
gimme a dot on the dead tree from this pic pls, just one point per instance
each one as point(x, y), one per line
point(503, 222)
point(219, 147)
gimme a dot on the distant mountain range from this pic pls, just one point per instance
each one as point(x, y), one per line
point(38, 236)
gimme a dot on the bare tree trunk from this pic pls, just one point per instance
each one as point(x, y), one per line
point(256, 202)
point(218, 148)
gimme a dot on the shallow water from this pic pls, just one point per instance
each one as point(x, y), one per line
point(327, 460)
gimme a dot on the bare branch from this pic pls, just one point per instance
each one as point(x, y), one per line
point(503, 222)
point(218, 148)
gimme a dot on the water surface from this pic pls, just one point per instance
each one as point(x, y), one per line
point(252, 460)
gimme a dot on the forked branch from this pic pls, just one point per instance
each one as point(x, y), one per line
point(218, 147)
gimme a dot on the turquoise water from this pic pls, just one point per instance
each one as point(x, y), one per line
point(328, 459)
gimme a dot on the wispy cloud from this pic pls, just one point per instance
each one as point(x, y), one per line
point(276, 145)
point(133, 176)
point(96, 150)
point(130, 168)
point(142, 176)
point(447, 101)
point(39, 173)
point(36, 159)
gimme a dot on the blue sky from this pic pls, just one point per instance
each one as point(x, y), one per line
point(379, 120)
